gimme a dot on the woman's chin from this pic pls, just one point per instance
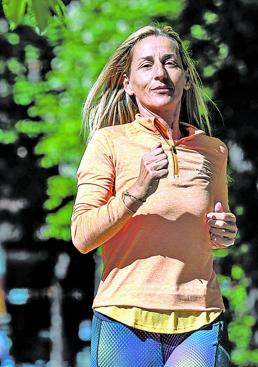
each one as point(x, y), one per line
point(161, 103)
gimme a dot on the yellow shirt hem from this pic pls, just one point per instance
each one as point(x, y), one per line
point(171, 322)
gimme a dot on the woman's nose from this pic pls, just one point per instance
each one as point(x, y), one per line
point(159, 71)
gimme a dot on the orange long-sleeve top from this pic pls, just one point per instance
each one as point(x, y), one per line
point(161, 256)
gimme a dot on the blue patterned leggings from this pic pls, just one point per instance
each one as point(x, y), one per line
point(114, 344)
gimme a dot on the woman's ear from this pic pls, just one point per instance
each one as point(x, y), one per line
point(187, 85)
point(127, 85)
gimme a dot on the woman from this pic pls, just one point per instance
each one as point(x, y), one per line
point(153, 191)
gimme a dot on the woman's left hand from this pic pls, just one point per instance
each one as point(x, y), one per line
point(223, 229)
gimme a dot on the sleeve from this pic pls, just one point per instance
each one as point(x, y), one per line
point(97, 214)
point(221, 187)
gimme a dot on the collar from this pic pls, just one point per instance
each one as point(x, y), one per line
point(154, 125)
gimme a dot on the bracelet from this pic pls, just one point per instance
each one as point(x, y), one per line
point(126, 193)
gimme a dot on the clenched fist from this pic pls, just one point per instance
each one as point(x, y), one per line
point(154, 166)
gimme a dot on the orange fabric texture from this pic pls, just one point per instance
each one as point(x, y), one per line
point(161, 256)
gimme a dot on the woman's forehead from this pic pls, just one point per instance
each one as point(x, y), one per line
point(155, 44)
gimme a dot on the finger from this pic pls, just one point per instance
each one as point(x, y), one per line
point(160, 173)
point(156, 146)
point(161, 157)
point(222, 224)
point(158, 151)
point(216, 245)
point(222, 240)
point(228, 217)
point(156, 158)
point(222, 233)
point(160, 165)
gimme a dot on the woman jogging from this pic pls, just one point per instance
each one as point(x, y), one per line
point(152, 190)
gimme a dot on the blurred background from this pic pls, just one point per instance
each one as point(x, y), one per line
point(50, 54)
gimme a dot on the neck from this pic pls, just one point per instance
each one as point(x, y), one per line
point(169, 118)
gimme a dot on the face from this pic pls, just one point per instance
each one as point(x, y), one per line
point(157, 78)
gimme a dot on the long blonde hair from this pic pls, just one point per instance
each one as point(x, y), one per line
point(108, 104)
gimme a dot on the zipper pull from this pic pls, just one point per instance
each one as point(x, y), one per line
point(174, 156)
point(175, 161)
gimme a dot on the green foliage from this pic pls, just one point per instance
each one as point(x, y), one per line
point(208, 71)
point(221, 252)
point(197, 31)
point(237, 272)
point(240, 210)
point(59, 187)
point(32, 128)
point(210, 17)
point(234, 288)
point(15, 66)
point(39, 11)
point(57, 224)
point(12, 38)
point(7, 137)
point(14, 10)
point(25, 92)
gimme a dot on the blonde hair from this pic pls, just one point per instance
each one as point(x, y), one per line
point(108, 104)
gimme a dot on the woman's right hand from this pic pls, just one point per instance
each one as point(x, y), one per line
point(154, 165)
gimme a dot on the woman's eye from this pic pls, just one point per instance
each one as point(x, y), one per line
point(146, 65)
point(170, 62)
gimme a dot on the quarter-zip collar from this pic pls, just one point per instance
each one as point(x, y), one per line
point(155, 126)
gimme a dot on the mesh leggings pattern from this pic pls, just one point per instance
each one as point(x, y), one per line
point(114, 344)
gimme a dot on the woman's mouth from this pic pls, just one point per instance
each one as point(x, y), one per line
point(162, 89)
